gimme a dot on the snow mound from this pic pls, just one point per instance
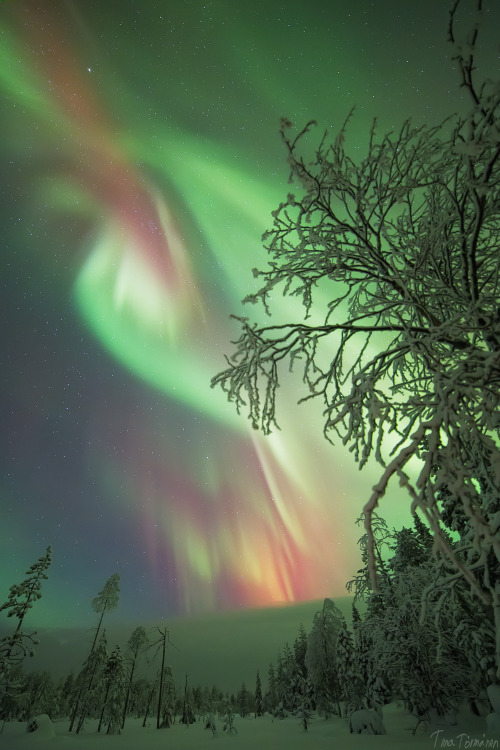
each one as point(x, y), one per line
point(366, 721)
point(41, 726)
point(493, 724)
point(494, 696)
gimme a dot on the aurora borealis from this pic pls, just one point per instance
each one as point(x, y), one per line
point(141, 162)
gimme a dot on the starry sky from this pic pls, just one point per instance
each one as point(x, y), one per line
point(141, 161)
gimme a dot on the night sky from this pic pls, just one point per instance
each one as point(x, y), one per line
point(141, 160)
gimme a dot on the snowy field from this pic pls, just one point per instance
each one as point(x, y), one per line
point(262, 734)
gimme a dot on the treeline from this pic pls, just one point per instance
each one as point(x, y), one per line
point(116, 695)
point(419, 638)
point(113, 684)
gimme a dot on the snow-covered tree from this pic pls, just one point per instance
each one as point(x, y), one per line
point(427, 669)
point(300, 650)
point(415, 638)
point(271, 696)
point(294, 665)
point(90, 683)
point(408, 551)
point(229, 719)
point(243, 701)
point(346, 668)
point(404, 351)
point(360, 669)
point(286, 682)
point(41, 695)
point(150, 689)
point(305, 712)
point(66, 692)
point(217, 699)
point(362, 583)
point(187, 712)
point(114, 693)
point(138, 697)
point(15, 646)
point(23, 595)
point(136, 644)
point(164, 709)
point(259, 702)
point(321, 658)
point(106, 600)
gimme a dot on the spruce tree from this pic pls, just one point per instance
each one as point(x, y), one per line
point(259, 703)
point(408, 550)
point(243, 701)
point(271, 697)
point(344, 659)
point(321, 659)
point(114, 693)
point(291, 691)
point(423, 534)
point(359, 664)
point(300, 650)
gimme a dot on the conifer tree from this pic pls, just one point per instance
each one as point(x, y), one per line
point(345, 666)
point(243, 701)
point(229, 719)
point(16, 646)
point(300, 650)
point(259, 703)
point(423, 534)
point(66, 690)
point(304, 712)
point(408, 550)
point(271, 697)
point(321, 658)
point(22, 596)
point(151, 690)
point(423, 653)
point(362, 583)
point(138, 698)
point(91, 681)
point(105, 601)
point(135, 645)
point(41, 694)
point(114, 693)
point(359, 665)
point(292, 680)
point(281, 686)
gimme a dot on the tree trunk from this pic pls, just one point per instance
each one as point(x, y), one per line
point(127, 697)
point(103, 707)
point(149, 703)
point(79, 696)
point(160, 692)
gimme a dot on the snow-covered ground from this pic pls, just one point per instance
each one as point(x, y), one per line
point(262, 734)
